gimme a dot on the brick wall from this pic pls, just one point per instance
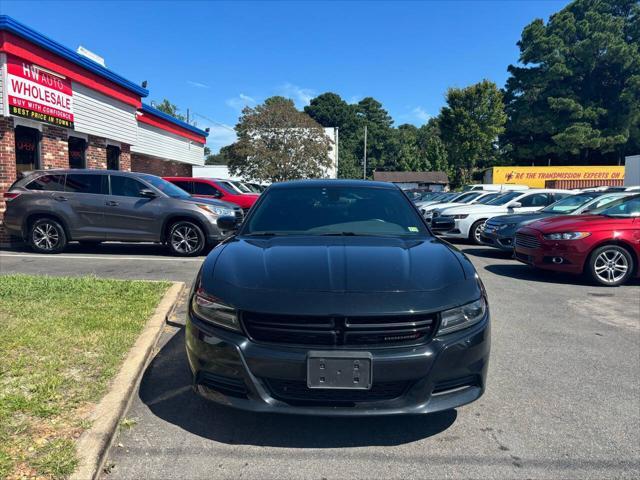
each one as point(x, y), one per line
point(156, 166)
point(54, 147)
point(125, 157)
point(96, 152)
point(7, 166)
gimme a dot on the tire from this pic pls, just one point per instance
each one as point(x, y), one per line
point(46, 235)
point(610, 265)
point(186, 239)
point(474, 232)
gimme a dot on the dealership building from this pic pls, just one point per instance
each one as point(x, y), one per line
point(61, 108)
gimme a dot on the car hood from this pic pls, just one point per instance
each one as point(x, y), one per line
point(520, 218)
point(444, 205)
point(330, 275)
point(210, 201)
point(482, 209)
point(577, 223)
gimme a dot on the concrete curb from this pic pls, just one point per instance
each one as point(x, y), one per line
point(94, 443)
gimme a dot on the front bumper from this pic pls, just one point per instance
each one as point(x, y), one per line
point(445, 373)
point(496, 239)
point(571, 253)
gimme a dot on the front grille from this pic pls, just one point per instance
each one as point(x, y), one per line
point(527, 241)
point(338, 331)
point(245, 211)
point(297, 392)
point(239, 214)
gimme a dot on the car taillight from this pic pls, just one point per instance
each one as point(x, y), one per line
point(8, 196)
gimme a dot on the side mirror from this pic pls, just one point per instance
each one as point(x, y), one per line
point(227, 223)
point(515, 205)
point(148, 193)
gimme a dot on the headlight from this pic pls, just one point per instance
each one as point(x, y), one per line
point(217, 211)
point(462, 317)
point(213, 310)
point(566, 235)
point(460, 217)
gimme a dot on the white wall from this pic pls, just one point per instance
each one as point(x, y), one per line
point(632, 170)
point(102, 116)
point(214, 171)
point(160, 143)
point(3, 60)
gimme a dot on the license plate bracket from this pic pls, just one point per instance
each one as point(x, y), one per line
point(339, 370)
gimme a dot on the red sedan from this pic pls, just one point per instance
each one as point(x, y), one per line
point(606, 246)
point(214, 188)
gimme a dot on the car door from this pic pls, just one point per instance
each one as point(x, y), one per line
point(85, 194)
point(129, 215)
point(533, 202)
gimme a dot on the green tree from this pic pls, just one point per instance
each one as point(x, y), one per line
point(170, 109)
point(380, 148)
point(330, 110)
point(276, 142)
point(576, 95)
point(408, 155)
point(470, 124)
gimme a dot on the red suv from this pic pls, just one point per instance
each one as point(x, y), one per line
point(214, 188)
point(606, 246)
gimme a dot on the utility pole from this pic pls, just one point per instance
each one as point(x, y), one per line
point(365, 153)
point(187, 115)
point(337, 149)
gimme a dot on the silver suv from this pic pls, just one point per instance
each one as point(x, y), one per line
point(50, 208)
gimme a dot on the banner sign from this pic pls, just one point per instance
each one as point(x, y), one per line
point(536, 177)
point(38, 94)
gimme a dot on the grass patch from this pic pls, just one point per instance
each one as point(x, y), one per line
point(61, 341)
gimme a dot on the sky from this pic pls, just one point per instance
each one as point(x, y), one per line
point(216, 57)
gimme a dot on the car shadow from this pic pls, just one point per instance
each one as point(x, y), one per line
point(166, 390)
point(488, 252)
point(109, 248)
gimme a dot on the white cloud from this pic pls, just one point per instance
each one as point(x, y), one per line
point(239, 102)
point(420, 114)
point(301, 96)
point(219, 136)
point(197, 84)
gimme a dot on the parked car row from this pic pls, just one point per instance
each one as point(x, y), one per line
point(596, 232)
point(50, 208)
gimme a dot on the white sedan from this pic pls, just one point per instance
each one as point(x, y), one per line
point(469, 219)
point(472, 198)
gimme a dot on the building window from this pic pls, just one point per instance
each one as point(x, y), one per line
point(77, 149)
point(113, 157)
point(27, 149)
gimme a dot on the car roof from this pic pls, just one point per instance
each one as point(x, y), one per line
point(333, 183)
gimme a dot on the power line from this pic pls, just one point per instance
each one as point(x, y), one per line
point(195, 114)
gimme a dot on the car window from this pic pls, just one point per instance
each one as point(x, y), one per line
point(86, 183)
point(568, 204)
point(504, 199)
point(603, 201)
point(47, 183)
point(628, 208)
point(168, 188)
point(535, 200)
point(126, 186)
point(186, 186)
point(339, 210)
point(200, 188)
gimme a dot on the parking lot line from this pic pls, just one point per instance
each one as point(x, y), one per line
point(99, 257)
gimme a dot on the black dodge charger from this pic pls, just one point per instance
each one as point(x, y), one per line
point(334, 298)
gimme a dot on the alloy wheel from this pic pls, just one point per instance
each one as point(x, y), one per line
point(46, 236)
point(611, 266)
point(185, 239)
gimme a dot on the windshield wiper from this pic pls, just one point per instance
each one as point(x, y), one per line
point(339, 234)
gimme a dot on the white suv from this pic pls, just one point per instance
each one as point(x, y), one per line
point(469, 219)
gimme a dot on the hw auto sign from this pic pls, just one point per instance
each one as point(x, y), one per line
point(38, 94)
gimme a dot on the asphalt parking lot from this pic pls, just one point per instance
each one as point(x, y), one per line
point(563, 396)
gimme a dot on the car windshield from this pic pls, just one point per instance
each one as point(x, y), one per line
point(568, 204)
point(468, 197)
point(488, 198)
point(504, 199)
point(165, 187)
point(339, 210)
point(242, 187)
point(229, 187)
point(623, 208)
